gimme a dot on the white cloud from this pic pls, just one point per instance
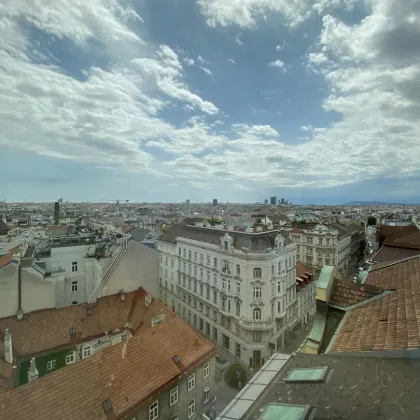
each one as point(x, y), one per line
point(201, 60)
point(317, 58)
point(279, 64)
point(231, 61)
point(238, 40)
point(189, 61)
point(245, 13)
point(206, 70)
point(282, 46)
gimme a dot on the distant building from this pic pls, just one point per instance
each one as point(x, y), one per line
point(214, 201)
point(273, 200)
point(187, 201)
point(266, 201)
point(282, 201)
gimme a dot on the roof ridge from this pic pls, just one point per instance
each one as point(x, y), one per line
point(394, 263)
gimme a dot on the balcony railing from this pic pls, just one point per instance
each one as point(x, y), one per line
point(256, 325)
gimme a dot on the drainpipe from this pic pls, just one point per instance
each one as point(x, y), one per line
point(19, 312)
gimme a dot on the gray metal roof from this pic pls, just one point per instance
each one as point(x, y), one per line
point(258, 242)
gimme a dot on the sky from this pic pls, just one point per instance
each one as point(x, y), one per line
point(316, 101)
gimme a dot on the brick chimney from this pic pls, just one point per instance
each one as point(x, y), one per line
point(33, 371)
point(8, 348)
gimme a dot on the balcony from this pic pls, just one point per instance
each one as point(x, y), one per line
point(256, 325)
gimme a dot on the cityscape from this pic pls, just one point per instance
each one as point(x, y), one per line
point(210, 210)
point(265, 297)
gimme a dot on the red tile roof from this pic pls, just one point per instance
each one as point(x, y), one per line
point(347, 293)
point(117, 373)
point(388, 323)
point(47, 329)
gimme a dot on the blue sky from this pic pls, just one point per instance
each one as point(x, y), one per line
point(314, 101)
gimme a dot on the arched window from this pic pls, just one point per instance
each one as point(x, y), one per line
point(257, 273)
point(257, 314)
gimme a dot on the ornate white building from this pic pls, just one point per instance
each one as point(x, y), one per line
point(236, 288)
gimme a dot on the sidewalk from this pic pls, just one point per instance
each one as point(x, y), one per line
point(298, 339)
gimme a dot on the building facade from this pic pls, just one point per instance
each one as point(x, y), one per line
point(238, 289)
point(320, 244)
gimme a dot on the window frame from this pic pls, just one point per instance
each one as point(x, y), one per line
point(52, 363)
point(191, 382)
point(206, 370)
point(191, 404)
point(74, 286)
point(256, 311)
point(74, 267)
point(257, 273)
point(173, 392)
point(154, 415)
point(70, 358)
point(87, 347)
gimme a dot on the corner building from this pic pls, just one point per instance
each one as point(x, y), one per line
point(237, 288)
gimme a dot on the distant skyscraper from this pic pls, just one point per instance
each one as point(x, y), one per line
point(56, 213)
point(282, 201)
point(266, 201)
point(187, 202)
point(214, 201)
point(273, 200)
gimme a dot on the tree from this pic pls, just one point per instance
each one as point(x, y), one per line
point(371, 221)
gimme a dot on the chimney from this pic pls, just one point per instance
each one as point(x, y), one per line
point(122, 295)
point(33, 371)
point(8, 348)
point(56, 213)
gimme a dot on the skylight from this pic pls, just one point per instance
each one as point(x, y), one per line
point(286, 412)
point(307, 375)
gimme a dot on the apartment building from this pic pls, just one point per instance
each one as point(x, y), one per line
point(238, 288)
point(305, 293)
point(321, 244)
point(115, 352)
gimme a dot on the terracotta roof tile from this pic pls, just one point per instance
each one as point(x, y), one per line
point(346, 293)
point(43, 330)
point(118, 373)
point(391, 253)
point(302, 269)
point(388, 323)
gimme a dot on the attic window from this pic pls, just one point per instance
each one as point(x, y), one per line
point(72, 331)
point(106, 405)
point(315, 375)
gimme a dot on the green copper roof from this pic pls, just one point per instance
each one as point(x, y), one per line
point(324, 276)
point(307, 375)
point(286, 412)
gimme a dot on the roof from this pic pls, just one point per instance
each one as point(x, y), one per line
point(117, 373)
point(139, 234)
point(5, 368)
point(302, 269)
point(388, 323)
point(324, 276)
point(259, 241)
point(355, 388)
point(7, 259)
point(391, 253)
point(40, 331)
point(345, 293)
point(405, 240)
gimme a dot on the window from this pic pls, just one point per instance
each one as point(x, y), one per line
point(320, 241)
point(215, 262)
point(257, 273)
point(229, 285)
point(74, 302)
point(154, 410)
point(74, 266)
point(184, 252)
point(51, 364)
point(175, 417)
point(173, 396)
point(238, 288)
point(223, 303)
point(74, 286)
point(191, 382)
point(228, 305)
point(257, 336)
point(278, 287)
point(70, 358)
point(238, 270)
point(238, 308)
point(124, 336)
point(257, 292)
point(223, 284)
point(189, 254)
point(307, 375)
point(206, 397)
point(206, 370)
point(87, 351)
point(179, 250)
point(191, 408)
point(226, 342)
point(279, 306)
point(279, 267)
point(208, 259)
point(257, 314)
point(201, 258)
